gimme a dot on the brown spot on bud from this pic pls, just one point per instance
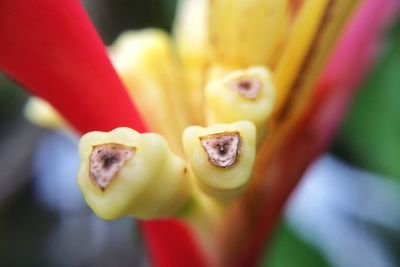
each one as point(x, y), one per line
point(105, 162)
point(248, 87)
point(222, 148)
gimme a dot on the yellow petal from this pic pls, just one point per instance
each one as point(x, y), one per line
point(313, 34)
point(297, 73)
point(246, 32)
point(304, 31)
point(328, 33)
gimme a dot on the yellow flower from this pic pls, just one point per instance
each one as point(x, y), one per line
point(227, 61)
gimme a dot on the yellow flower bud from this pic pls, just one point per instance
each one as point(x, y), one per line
point(241, 95)
point(123, 172)
point(191, 38)
point(191, 32)
point(221, 157)
point(147, 63)
point(41, 113)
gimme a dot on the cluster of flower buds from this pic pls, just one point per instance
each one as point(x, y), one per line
point(123, 172)
point(240, 99)
point(176, 83)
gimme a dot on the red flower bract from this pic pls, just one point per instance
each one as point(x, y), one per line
point(52, 48)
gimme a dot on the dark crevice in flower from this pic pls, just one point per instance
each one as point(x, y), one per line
point(249, 87)
point(222, 148)
point(105, 162)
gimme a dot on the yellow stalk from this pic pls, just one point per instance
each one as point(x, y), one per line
point(147, 64)
point(191, 37)
point(205, 216)
point(305, 28)
point(297, 86)
point(329, 30)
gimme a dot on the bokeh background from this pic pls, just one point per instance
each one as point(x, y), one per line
point(345, 213)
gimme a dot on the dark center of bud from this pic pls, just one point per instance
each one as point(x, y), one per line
point(222, 148)
point(105, 162)
point(248, 87)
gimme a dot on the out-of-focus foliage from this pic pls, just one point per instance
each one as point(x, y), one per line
point(11, 100)
point(169, 7)
point(111, 17)
point(289, 250)
point(370, 136)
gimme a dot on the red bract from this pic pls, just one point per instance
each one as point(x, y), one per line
point(53, 50)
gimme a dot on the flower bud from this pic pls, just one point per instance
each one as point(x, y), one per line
point(191, 32)
point(147, 63)
point(241, 95)
point(41, 113)
point(123, 172)
point(221, 157)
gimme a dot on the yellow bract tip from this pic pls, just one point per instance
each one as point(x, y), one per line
point(41, 113)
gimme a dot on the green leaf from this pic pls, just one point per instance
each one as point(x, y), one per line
point(289, 250)
point(370, 136)
point(12, 98)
